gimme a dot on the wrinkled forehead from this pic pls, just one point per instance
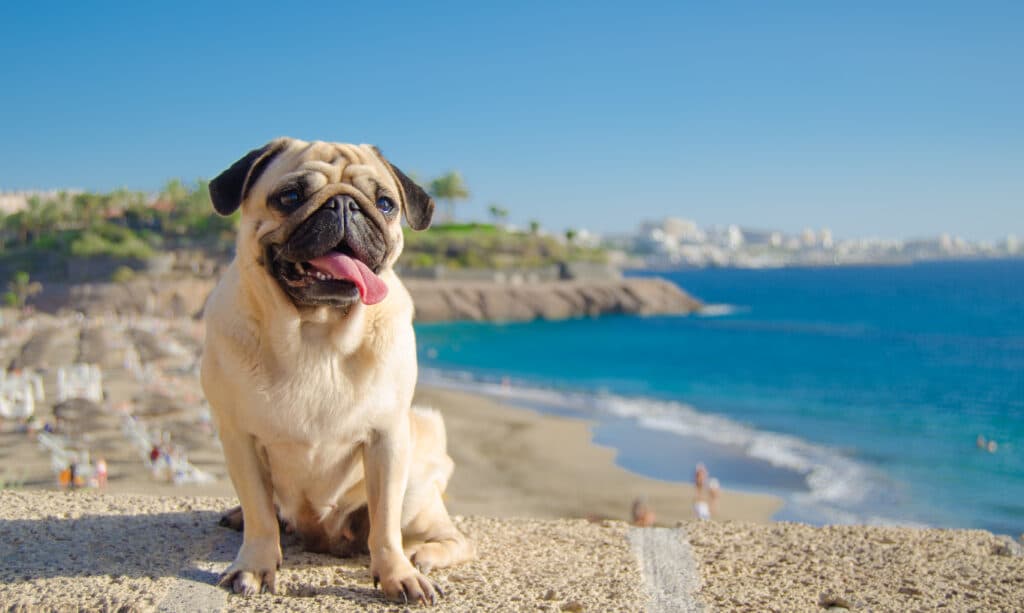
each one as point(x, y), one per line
point(316, 165)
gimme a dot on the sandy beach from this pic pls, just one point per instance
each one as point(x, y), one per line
point(513, 462)
point(96, 552)
point(510, 462)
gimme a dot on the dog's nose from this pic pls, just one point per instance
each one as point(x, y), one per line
point(342, 202)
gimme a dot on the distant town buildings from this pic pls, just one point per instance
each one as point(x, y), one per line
point(12, 202)
point(674, 242)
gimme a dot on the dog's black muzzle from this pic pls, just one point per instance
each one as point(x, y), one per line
point(338, 225)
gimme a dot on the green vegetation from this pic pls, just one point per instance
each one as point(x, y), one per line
point(477, 245)
point(132, 227)
point(449, 188)
point(123, 274)
point(115, 241)
point(121, 224)
point(498, 213)
point(20, 289)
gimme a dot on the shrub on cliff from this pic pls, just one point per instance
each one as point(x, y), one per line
point(20, 289)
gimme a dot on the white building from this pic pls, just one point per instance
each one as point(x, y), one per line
point(826, 238)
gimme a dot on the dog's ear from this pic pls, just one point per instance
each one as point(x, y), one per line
point(417, 204)
point(230, 187)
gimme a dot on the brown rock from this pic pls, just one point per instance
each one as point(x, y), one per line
point(485, 301)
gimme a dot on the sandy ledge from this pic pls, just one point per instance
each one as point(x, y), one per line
point(87, 551)
point(796, 567)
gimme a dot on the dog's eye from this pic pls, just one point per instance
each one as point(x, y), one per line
point(289, 199)
point(385, 205)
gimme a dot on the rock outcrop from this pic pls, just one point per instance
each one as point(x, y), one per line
point(159, 296)
point(453, 301)
point(435, 300)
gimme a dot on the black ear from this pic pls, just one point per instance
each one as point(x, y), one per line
point(230, 187)
point(418, 205)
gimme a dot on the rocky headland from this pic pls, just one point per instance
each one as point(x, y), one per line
point(436, 300)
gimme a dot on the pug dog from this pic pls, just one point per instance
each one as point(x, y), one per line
point(309, 367)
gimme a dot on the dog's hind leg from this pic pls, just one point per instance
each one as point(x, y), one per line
point(432, 540)
point(234, 518)
point(429, 537)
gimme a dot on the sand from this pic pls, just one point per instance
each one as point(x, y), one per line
point(795, 567)
point(512, 462)
point(87, 551)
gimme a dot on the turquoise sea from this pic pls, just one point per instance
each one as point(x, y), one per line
point(857, 394)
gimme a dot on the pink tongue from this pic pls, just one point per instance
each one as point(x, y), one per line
point(340, 266)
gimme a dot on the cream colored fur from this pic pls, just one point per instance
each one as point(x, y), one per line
point(313, 404)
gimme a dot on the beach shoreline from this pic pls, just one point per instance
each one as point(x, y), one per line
point(509, 461)
point(517, 462)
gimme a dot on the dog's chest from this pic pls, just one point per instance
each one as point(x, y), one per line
point(328, 398)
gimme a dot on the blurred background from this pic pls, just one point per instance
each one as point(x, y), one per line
point(780, 239)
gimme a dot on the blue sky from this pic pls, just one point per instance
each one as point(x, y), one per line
point(872, 118)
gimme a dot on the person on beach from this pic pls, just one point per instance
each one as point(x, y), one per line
point(101, 472)
point(700, 477)
point(64, 478)
point(642, 513)
point(701, 508)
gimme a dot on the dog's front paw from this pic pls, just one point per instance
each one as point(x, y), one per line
point(401, 582)
point(254, 569)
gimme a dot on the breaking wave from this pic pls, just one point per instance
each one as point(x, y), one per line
point(838, 489)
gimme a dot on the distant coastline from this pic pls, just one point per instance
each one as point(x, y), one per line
point(639, 268)
point(673, 243)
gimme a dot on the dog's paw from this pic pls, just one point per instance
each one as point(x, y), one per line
point(233, 518)
point(403, 583)
point(254, 570)
point(250, 583)
point(440, 554)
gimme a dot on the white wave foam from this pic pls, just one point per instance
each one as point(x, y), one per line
point(717, 310)
point(839, 489)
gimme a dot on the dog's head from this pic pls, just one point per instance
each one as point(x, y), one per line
point(322, 219)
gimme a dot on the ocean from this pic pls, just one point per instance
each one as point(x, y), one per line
point(855, 394)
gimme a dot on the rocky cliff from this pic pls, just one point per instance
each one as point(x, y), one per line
point(435, 300)
point(452, 301)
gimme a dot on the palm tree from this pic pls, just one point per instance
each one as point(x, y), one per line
point(90, 207)
point(174, 190)
point(449, 188)
point(499, 213)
